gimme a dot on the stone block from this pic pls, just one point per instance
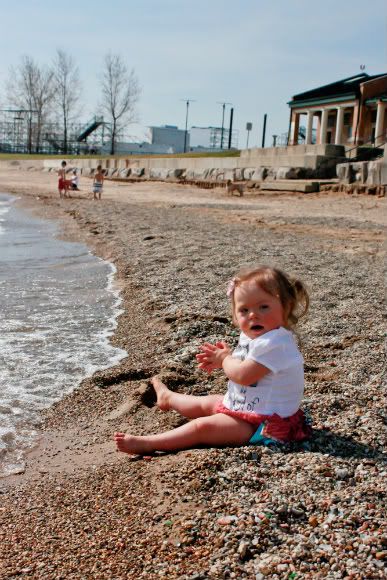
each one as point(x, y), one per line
point(247, 172)
point(301, 186)
point(259, 174)
point(345, 172)
point(383, 173)
point(238, 174)
point(374, 173)
point(228, 174)
point(137, 171)
point(175, 173)
point(158, 173)
point(220, 175)
point(211, 174)
point(290, 173)
point(360, 171)
point(194, 174)
point(271, 173)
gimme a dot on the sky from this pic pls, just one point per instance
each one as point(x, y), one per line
point(253, 54)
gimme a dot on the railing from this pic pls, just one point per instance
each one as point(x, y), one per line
point(371, 150)
point(89, 127)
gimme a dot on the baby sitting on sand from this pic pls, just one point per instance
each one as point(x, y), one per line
point(265, 372)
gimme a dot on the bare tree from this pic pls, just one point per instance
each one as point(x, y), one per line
point(67, 90)
point(120, 93)
point(30, 88)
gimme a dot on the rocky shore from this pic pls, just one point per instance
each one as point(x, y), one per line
point(315, 510)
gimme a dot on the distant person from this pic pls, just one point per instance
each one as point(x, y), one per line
point(63, 184)
point(74, 181)
point(265, 375)
point(98, 182)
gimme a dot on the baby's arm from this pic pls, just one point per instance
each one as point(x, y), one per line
point(246, 372)
point(217, 356)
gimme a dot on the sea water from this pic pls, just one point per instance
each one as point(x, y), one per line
point(58, 307)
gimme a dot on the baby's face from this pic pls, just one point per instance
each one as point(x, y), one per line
point(256, 311)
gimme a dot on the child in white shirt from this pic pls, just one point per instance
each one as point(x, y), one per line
point(265, 372)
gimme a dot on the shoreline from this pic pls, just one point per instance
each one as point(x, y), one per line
point(205, 511)
point(100, 353)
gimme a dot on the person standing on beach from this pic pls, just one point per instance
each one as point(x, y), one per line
point(74, 181)
point(265, 372)
point(98, 182)
point(63, 186)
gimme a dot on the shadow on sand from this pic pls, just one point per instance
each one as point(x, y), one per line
point(323, 441)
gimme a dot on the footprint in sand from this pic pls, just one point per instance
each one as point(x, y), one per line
point(143, 395)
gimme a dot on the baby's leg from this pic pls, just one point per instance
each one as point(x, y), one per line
point(189, 406)
point(215, 430)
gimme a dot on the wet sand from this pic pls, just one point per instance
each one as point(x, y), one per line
point(82, 510)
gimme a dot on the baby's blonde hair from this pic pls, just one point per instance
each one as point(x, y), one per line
point(291, 292)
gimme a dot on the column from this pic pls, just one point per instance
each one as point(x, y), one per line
point(323, 126)
point(339, 125)
point(309, 126)
point(294, 128)
point(379, 128)
point(355, 123)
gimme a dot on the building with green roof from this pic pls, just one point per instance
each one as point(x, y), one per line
point(352, 111)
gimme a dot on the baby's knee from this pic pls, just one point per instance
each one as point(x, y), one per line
point(204, 426)
point(211, 404)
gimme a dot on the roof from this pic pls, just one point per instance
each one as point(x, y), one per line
point(340, 90)
point(382, 97)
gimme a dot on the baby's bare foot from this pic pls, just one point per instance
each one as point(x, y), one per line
point(132, 444)
point(163, 394)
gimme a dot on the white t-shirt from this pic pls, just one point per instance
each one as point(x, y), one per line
point(279, 391)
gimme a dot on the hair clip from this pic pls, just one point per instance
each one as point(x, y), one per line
point(230, 288)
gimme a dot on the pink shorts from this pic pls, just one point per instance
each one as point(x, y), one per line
point(273, 427)
point(249, 417)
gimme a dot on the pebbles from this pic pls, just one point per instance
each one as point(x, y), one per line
point(297, 511)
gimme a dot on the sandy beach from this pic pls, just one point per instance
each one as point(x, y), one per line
point(82, 510)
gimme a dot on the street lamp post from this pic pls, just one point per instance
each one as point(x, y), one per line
point(187, 102)
point(249, 126)
point(230, 129)
point(221, 134)
point(264, 130)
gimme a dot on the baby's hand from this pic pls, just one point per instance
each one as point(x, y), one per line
point(212, 356)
